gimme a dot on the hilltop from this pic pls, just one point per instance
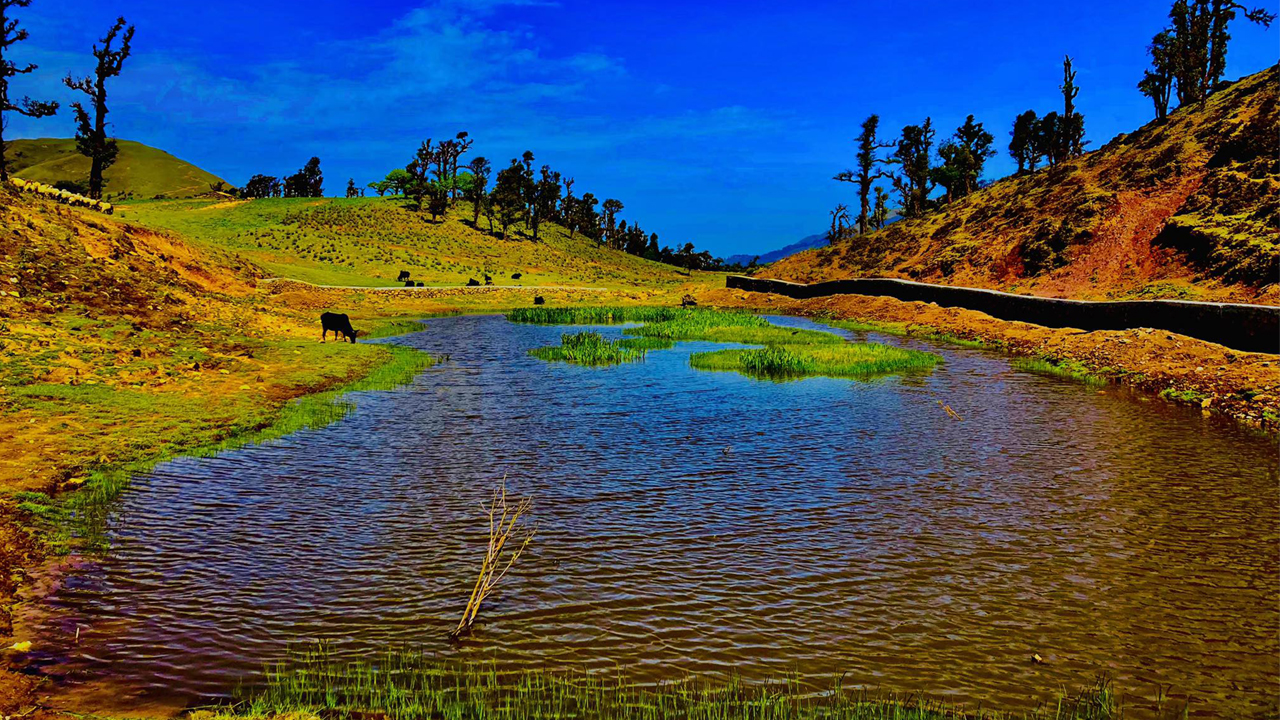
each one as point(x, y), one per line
point(1188, 208)
point(140, 171)
point(368, 241)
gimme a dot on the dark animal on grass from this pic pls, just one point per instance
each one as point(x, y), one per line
point(688, 301)
point(337, 323)
point(488, 280)
point(419, 283)
point(404, 275)
point(408, 283)
point(539, 300)
point(516, 276)
point(472, 282)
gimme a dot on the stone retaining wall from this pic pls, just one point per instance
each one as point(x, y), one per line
point(1253, 328)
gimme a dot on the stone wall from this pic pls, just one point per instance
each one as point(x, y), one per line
point(1253, 328)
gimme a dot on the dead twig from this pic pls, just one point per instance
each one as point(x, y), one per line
point(505, 529)
point(950, 413)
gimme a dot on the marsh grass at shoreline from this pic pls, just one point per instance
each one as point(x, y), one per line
point(78, 518)
point(411, 685)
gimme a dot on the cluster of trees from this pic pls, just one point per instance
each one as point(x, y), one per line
point(908, 163)
point(306, 183)
point(523, 198)
point(1053, 138)
point(92, 140)
point(1189, 57)
point(915, 170)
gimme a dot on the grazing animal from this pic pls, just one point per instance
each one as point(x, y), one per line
point(471, 282)
point(516, 276)
point(488, 280)
point(539, 300)
point(419, 283)
point(408, 283)
point(688, 301)
point(404, 275)
point(338, 323)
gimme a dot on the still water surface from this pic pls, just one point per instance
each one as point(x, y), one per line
point(703, 522)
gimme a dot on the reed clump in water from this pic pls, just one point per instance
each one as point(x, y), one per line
point(408, 685)
point(794, 361)
point(730, 327)
point(590, 348)
point(1072, 370)
point(543, 315)
point(508, 537)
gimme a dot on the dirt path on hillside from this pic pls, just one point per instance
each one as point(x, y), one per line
point(1121, 255)
point(1244, 386)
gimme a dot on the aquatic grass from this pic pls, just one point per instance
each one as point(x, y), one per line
point(646, 343)
point(730, 326)
point(848, 360)
point(79, 517)
point(543, 315)
point(411, 685)
point(1070, 369)
point(902, 329)
point(589, 348)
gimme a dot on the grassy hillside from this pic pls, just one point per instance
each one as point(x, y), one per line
point(1189, 208)
point(140, 171)
point(368, 241)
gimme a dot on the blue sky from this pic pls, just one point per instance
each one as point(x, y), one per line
point(719, 123)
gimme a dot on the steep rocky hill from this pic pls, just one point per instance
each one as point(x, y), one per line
point(1188, 208)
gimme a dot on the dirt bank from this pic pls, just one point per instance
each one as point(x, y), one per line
point(1244, 386)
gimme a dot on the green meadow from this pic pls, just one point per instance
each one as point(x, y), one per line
point(368, 241)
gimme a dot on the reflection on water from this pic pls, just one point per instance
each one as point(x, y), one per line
point(707, 522)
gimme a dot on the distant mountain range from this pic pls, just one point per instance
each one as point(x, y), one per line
point(813, 241)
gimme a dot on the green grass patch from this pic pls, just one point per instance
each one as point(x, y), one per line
point(1070, 369)
point(730, 327)
point(904, 329)
point(787, 353)
point(1185, 397)
point(589, 348)
point(78, 519)
point(646, 343)
point(407, 685)
point(846, 360)
point(543, 315)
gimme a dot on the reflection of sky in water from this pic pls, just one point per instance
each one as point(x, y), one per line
point(851, 527)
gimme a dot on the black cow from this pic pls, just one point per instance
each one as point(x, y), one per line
point(516, 276)
point(404, 275)
point(338, 323)
point(472, 282)
point(419, 283)
point(408, 283)
point(539, 300)
point(488, 280)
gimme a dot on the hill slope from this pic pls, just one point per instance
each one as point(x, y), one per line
point(140, 171)
point(368, 241)
point(807, 243)
point(1188, 208)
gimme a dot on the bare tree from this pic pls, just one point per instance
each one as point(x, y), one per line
point(91, 132)
point(9, 36)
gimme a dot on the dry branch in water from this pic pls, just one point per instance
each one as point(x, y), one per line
point(505, 529)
